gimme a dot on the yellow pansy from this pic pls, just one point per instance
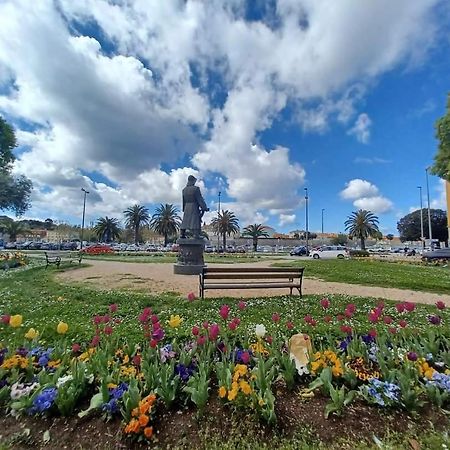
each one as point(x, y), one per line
point(31, 334)
point(62, 328)
point(174, 321)
point(16, 320)
point(232, 394)
point(245, 387)
point(222, 392)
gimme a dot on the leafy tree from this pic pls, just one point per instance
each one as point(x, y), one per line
point(389, 237)
point(14, 191)
point(255, 231)
point(13, 229)
point(409, 226)
point(441, 166)
point(165, 221)
point(225, 223)
point(362, 224)
point(135, 217)
point(49, 224)
point(340, 239)
point(107, 229)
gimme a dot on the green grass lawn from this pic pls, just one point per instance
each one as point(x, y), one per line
point(371, 272)
point(44, 302)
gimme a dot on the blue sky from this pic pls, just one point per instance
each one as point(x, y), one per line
point(257, 99)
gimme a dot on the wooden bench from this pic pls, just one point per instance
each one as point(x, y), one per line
point(57, 257)
point(251, 278)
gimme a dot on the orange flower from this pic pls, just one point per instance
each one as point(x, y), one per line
point(143, 407)
point(135, 412)
point(148, 432)
point(132, 427)
point(143, 420)
point(222, 392)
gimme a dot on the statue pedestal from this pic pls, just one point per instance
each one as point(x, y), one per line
point(190, 257)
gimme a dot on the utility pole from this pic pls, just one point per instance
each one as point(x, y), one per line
point(429, 211)
point(218, 225)
point(306, 220)
point(323, 209)
point(82, 222)
point(422, 238)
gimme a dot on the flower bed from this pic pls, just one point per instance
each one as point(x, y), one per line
point(387, 366)
point(10, 260)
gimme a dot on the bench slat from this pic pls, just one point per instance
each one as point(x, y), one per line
point(207, 270)
point(250, 285)
point(248, 276)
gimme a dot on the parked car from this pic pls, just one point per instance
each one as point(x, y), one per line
point(329, 251)
point(97, 249)
point(10, 245)
point(440, 253)
point(299, 251)
point(69, 245)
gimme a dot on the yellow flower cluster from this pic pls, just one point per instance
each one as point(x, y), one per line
point(141, 417)
point(362, 371)
point(174, 321)
point(15, 361)
point(85, 356)
point(240, 383)
point(425, 370)
point(326, 359)
point(258, 347)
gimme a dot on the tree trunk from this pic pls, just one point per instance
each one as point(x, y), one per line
point(255, 244)
point(363, 244)
point(136, 232)
point(224, 242)
point(165, 239)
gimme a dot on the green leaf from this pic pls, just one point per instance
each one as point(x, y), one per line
point(96, 402)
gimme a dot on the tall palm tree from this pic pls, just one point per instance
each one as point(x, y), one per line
point(255, 231)
point(361, 225)
point(13, 229)
point(225, 223)
point(107, 229)
point(135, 217)
point(165, 221)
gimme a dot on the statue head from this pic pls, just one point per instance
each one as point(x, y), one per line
point(191, 180)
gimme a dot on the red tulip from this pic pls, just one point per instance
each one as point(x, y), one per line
point(325, 303)
point(195, 330)
point(327, 319)
point(440, 305)
point(289, 325)
point(400, 307)
point(76, 347)
point(387, 320)
point(224, 312)
point(403, 323)
point(242, 305)
point(113, 308)
point(409, 306)
point(276, 317)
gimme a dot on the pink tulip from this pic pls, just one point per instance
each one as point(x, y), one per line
point(205, 325)
point(400, 307)
point(224, 312)
point(76, 347)
point(403, 323)
point(409, 306)
point(387, 320)
point(136, 360)
point(232, 325)
point(289, 325)
point(108, 330)
point(154, 318)
point(214, 331)
point(325, 303)
point(372, 333)
point(195, 330)
point(113, 308)
point(392, 330)
point(95, 341)
point(5, 319)
point(242, 305)
point(245, 357)
point(201, 340)
point(440, 305)
point(153, 343)
point(191, 296)
point(276, 317)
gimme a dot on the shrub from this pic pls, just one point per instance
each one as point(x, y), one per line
point(359, 253)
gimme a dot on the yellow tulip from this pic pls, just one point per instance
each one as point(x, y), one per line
point(31, 334)
point(174, 321)
point(16, 321)
point(62, 328)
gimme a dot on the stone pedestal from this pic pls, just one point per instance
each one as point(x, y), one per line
point(190, 257)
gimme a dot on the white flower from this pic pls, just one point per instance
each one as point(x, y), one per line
point(63, 380)
point(20, 389)
point(260, 330)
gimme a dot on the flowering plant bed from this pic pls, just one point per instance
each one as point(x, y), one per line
point(10, 260)
point(187, 371)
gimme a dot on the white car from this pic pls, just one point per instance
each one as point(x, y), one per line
point(329, 251)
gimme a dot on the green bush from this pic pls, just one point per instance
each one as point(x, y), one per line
point(359, 253)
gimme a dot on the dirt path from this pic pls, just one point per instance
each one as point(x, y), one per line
point(159, 277)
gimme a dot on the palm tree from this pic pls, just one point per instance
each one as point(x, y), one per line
point(135, 217)
point(13, 229)
point(107, 229)
point(361, 225)
point(255, 231)
point(225, 223)
point(165, 221)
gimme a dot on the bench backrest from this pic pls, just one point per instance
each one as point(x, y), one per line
point(251, 272)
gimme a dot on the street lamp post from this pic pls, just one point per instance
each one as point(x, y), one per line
point(218, 225)
point(422, 238)
point(429, 211)
point(306, 220)
point(323, 209)
point(84, 211)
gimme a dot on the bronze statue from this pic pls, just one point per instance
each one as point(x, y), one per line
point(193, 209)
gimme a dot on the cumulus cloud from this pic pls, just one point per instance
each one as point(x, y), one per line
point(163, 89)
point(377, 205)
point(361, 128)
point(366, 195)
point(286, 219)
point(358, 188)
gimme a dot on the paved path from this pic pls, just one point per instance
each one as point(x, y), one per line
point(159, 277)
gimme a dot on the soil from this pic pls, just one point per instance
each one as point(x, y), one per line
point(180, 428)
point(159, 278)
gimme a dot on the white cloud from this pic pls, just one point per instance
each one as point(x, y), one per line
point(374, 160)
point(150, 90)
point(361, 128)
point(286, 219)
point(439, 202)
point(377, 205)
point(358, 188)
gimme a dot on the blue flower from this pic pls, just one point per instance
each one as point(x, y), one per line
point(44, 400)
